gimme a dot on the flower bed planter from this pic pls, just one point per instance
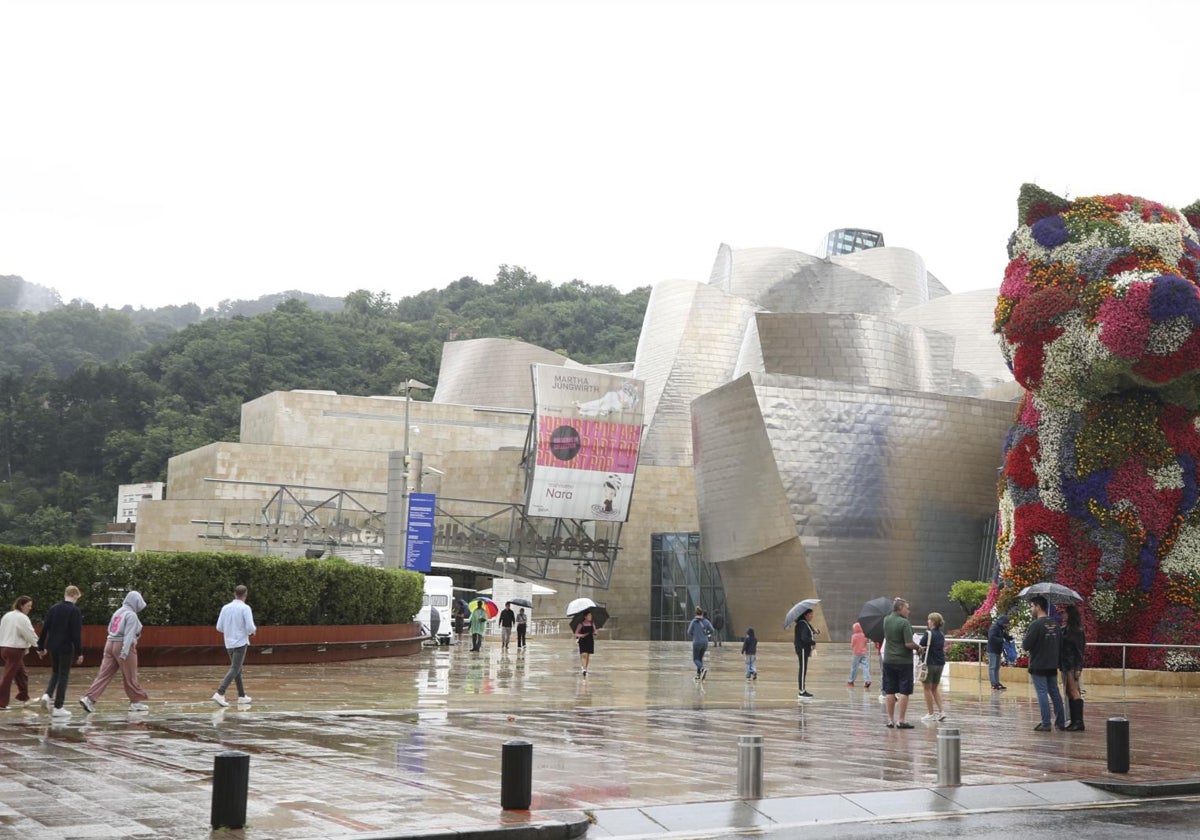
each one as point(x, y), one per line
point(203, 645)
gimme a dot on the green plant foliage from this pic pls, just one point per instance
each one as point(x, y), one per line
point(969, 594)
point(190, 588)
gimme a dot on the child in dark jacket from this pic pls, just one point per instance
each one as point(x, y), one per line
point(750, 651)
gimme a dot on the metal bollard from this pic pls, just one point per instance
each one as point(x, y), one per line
point(231, 780)
point(516, 775)
point(750, 766)
point(1118, 745)
point(949, 753)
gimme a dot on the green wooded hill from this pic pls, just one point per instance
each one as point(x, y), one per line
point(94, 398)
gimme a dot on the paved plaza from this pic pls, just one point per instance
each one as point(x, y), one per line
point(410, 745)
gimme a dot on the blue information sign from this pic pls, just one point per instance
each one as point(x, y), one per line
point(418, 540)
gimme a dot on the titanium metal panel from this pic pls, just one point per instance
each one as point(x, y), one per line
point(887, 490)
point(967, 317)
point(689, 345)
point(491, 371)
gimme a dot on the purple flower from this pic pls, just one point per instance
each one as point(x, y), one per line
point(1094, 263)
point(1079, 492)
point(1050, 231)
point(1172, 297)
point(1147, 563)
point(1191, 489)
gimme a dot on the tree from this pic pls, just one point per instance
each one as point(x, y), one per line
point(969, 594)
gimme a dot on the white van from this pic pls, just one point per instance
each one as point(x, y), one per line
point(439, 595)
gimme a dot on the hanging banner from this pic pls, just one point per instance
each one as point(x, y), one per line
point(589, 431)
point(418, 540)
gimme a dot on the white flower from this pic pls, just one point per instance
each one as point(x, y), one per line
point(1025, 245)
point(1184, 557)
point(1182, 660)
point(1168, 336)
point(1165, 238)
point(1168, 476)
point(1103, 604)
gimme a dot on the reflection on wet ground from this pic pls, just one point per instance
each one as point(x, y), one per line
point(415, 743)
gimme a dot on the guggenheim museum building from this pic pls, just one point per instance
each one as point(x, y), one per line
point(812, 426)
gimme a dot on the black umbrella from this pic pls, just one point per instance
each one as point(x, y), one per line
point(871, 617)
point(1055, 593)
point(599, 616)
point(521, 602)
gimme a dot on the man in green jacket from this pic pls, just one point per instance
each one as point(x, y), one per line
point(898, 646)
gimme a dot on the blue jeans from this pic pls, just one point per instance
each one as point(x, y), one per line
point(1047, 693)
point(860, 662)
point(994, 666)
point(751, 658)
point(699, 648)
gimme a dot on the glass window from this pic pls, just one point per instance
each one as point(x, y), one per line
point(679, 582)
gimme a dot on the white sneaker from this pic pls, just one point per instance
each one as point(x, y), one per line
point(219, 699)
point(61, 713)
point(88, 705)
point(929, 716)
point(940, 716)
point(138, 707)
point(245, 700)
point(46, 702)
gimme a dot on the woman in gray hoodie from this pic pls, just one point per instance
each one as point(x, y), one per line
point(120, 654)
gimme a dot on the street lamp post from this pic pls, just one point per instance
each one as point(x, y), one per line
point(396, 529)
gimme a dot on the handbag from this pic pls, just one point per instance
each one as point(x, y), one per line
point(923, 671)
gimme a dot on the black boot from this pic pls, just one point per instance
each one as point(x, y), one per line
point(1076, 724)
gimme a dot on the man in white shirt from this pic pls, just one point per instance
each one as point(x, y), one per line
point(237, 623)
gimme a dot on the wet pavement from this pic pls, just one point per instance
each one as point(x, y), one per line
point(410, 745)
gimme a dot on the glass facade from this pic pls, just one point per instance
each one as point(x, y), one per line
point(849, 240)
point(679, 582)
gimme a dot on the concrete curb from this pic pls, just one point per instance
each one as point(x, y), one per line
point(1167, 787)
point(551, 825)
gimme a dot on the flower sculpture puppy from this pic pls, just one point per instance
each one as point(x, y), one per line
point(1099, 318)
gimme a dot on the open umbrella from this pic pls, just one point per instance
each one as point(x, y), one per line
point(599, 616)
point(489, 606)
point(871, 617)
point(1055, 593)
point(800, 609)
point(579, 605)
point(521, 602)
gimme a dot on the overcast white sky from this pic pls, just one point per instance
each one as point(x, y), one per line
point(174, 151)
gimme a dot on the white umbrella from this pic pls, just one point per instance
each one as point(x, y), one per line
point(800, 609)
point(579, 605)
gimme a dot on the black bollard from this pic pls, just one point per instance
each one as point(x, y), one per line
point(516, 775)
point(231, 780)
point(1118, 745)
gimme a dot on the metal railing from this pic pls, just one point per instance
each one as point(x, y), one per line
point(1124, 646)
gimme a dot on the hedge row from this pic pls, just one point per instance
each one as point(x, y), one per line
point(190, 588)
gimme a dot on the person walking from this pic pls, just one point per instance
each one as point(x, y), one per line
point(997, 635)
point(750, 651)
point(522, 627)
point(120, 654)
point(859, 657)
point(898, 647)
point(585, 635)
point(507, 619)
point(236, 622)
point(1074, 643)
point(804, 639)
point(16, 637)
point(478, 626)
point(699, 630)
point(1042, 641)
point(718, 623)
point(933, 655)
point(62, 638)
